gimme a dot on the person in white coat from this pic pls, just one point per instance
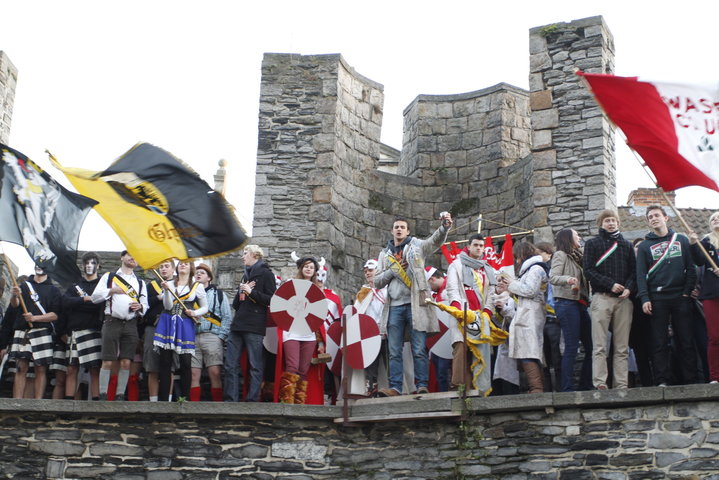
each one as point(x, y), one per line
point(526, 337)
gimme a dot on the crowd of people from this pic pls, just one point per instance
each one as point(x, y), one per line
point(643, 314)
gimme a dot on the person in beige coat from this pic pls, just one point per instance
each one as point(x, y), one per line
point(401, 270)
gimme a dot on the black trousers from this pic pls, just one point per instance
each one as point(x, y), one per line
point(678, 311)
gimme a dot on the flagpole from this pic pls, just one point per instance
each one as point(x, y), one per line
point(646, 170)
point(14, 282)
point(673, 207)
point(526, 232)
point(180, 302)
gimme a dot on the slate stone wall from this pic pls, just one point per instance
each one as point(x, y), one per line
point(631, 434)
point(572, 141)
point(541, 160)
point(8, 83)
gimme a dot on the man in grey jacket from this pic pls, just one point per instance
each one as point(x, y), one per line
point(401, 270)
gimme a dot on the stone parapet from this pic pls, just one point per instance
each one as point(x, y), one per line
point(619, 434)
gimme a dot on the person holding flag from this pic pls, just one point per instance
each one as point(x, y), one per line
point(175, 331)
point(34, 332)
point(470, 281)
point(150, 355)
point(666, 276)
point(709, 294)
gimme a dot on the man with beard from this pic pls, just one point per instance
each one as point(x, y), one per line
point(126, 300)
point(34, 330)
point(84, 321)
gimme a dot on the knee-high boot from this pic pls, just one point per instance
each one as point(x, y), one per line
point(534, 376)
point(301, 392)
point(288, 386)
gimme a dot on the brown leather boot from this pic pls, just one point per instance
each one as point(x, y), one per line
point(534, 376)
point(301, 392)
point(288, 382)
point(267, 392)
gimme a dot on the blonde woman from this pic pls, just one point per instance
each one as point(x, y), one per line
point(175, 330)
point(709, 294)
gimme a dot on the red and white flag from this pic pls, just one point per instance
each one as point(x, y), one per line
point(497, 262)
point(674, 127)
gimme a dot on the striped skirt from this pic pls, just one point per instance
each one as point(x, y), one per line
point(59, 357)
point(84, 348)
point(35, 344)
point(174, 332)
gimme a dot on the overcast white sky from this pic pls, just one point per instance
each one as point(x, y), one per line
point(97, 77)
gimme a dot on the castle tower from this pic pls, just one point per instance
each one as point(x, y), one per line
point(572, 142)
point(8, 81)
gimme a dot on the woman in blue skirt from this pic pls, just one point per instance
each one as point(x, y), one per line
point(175, 332)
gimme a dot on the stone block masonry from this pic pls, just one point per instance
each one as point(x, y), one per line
point(8, 82)
point(541, 160)
point(616, 434)
point(568, 127)
point(319, 191)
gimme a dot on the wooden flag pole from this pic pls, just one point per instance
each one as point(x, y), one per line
point(14, 283)
point(14, 280)
point(648, 172)
point(180, 302)
point(674, 208)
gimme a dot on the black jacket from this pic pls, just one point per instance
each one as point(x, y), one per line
point(7, 328)
point(619, 267)
point(49, 297)
point(676, 276)
point(709, 281)
point(251, 313)
point(78, 314)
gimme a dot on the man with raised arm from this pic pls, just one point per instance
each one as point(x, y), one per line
point(401, 270)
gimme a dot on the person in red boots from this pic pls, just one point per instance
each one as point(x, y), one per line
point(211, 334)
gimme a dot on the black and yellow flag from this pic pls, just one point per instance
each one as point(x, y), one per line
point(160, 207)
point(40, 214)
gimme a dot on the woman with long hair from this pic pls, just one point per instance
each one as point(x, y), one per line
point(571, 298)
point(526, 332)
point(298, 350)
point(709, 292)
point(175, 330)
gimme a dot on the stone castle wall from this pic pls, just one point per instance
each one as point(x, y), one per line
point(537, 160)
point(8, 81)
point(619, 435)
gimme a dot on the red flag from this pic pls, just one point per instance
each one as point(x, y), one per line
point(674, 127)
point(447, 254)
point(490, 254)
point(507, 252)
